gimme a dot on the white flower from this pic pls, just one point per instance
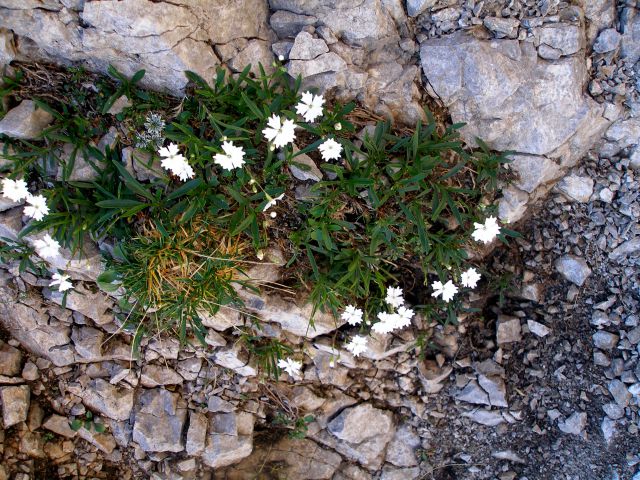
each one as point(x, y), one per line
point(310, 107)
point(337, 126)
point(62, 281)
point(47, 247)
point(448, 290)
point(291, 366)
point(357, 345)
point(352, 315)
point(470, 278)
point(14, 190)
point(330, 150)
point(272, 201)
point(281, 58)
point(403, 317)
point(175, 162)
point(37, 207)
point(394, 297)
point(486, 232)
point(386, 324)
point(278, 132)
point(233, 156)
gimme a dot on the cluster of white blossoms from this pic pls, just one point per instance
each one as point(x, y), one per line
point(175, 162)
point(16, 190)
point(36, 208)
point(483, 232)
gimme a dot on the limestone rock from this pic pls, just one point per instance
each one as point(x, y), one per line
point(10, 360)
point(159, 421)
point(327, 62)
point(141, 164)
point(533, 171)
point(235, 359)
point(288, 24)
point(488, 84)
point(305, 47)
point(573, 268)
point(508, 330)
point(362, 433)
point(575, 424)
point(110, 401)
point(197, 433)
point(401, 449)
point(15, 404)
point(225, 444)
point(576, 187)
point(94, 305)
point(87, 341)
point(538, 329)
point(291, 317)
point(569, 39)
point(59, 425)
point(608, 40)
point(156, 375)
point(416, 7)
point(26, 121)
point(513, 204)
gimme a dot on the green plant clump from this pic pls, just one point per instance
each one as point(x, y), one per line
point(394, 207)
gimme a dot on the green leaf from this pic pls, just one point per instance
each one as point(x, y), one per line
point(120, 203)
point(185, 189)
point(76, 425)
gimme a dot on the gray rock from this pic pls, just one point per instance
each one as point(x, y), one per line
point(197, 433)
point(119, 105)
point(26, 121)
point(508, 330)
point(85, 169)
point(606, 195)
point(87, 342)
point(401, 449)
point(59, 425)
point(513, 204)
point(549, 53)
point(490, 418)
point(141, 164)
point(235, 359)
point(487, 84)
point(157, 375)
point(575, 424)
point(94, 305)
point(503, 27)
point(600, 319)
point(391, 473)
point(305, 47)
point(472, 393)
point(159, 422)
point(608, 427)
point(110, 401)
point(288, 24)
point(10, 360)
point(624, 132)
point(224, 450)
point(495, 387)
point(216, 404)
point(534, 171)
point(619, 392)
point(29, 323)
point(576, 187)
point(30, 372)
point(328, 62)
point(416, 7)
point(573, 268)
point(630, 41)
point(304, 168)
point(613, 411)
point(630, 247)
point(538, 329)
point(605, 340)
point(360, 423)
point(608, 40)
point(569, 39)
point(634, 336)
point(15, 404)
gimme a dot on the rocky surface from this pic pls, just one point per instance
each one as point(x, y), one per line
point(544, 385)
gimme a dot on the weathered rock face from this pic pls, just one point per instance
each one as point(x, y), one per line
point(164, 38)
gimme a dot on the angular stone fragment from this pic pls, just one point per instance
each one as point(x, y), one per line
point(107, 399)
point(538, 329)
point(159, 421)
point(576, 187)
point(574, 269)
point(288, 24)
point(357, 424)
point(197, 433)
point(305, 47)
point(156, 375)
point(605, 340)
point(508, 330)
point(472, 393)
point(15, 404)
point(26, 121)
point(401, 451)
point(59, 425)
point(10, 360)
point(327, 62)
point(574, 424)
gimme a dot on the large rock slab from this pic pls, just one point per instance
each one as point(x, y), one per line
point(509, 97)
point(15, 404)
point(110, 401)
